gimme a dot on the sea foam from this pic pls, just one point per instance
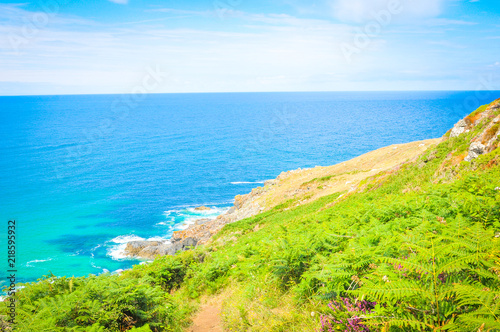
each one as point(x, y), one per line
point(29, 264)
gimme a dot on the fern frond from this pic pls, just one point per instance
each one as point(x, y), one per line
point(397, 290)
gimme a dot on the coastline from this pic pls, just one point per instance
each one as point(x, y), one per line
point(391, 210)
point(296, 187)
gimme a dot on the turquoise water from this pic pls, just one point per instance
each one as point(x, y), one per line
point(82, 175)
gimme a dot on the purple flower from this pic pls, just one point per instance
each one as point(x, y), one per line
point(347, 315)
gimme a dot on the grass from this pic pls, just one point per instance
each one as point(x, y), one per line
point(491, 132)
point(329, 177)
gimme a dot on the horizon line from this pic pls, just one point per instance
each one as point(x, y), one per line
point(234, 92)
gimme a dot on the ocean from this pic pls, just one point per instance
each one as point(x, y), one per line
point(82, 175)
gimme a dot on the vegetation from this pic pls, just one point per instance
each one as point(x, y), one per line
point(413, 249)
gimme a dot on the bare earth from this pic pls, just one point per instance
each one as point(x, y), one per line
point(208, 318)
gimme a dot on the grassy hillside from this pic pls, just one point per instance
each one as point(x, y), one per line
point(413, 248)
point(308, 185)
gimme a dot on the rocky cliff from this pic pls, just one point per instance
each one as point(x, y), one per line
point(297, 186)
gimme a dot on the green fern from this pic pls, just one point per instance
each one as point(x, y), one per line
point(426, 287)
point(485, 301)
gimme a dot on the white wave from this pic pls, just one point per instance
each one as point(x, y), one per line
point(117, 251)
point(155, 238)
point(191, 215)
point(215, 211)
point(180, 208)
point(28, 264)
point(126, 238)
point(95, 248)
point(188, 216)
point(247, 182)
point(77, 253)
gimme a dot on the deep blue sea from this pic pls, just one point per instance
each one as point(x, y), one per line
point(82, 175)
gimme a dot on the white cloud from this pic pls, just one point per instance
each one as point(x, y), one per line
point(359, 11)
point(255, 52)
point(277, 52)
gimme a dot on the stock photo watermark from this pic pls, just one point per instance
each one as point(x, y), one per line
point(484, 89)
point(11, 271)
point(35, 23)
point(363, 37)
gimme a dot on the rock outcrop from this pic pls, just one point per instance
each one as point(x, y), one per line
point(200, 232)
point(134, 248)
point(244, 206)
point(151, 249)
point(475, 150)
point(202, 208)
point(460, 127)
point(486, 140)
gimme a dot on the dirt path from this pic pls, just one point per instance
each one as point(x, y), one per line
point(208, 318)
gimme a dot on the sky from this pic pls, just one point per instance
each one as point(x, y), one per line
point(139, 46)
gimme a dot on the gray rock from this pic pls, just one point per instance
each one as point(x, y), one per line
point(182, 245)
point(133, 248)
point(201, 221)
point(459, 128)
point(149, 252)
point(475, 150)
point(151, 249)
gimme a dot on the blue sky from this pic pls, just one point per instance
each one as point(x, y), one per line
point(120, 46)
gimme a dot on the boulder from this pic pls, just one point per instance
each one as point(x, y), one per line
point(133, 248)
point(151, 249)
point(460, 127)
point(202, 208)
point(475, 150)
point(238, 201)
point(150, 252)
point(182, 245)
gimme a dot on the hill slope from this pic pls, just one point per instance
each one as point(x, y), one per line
point(301, 186)
point(307, 185)
point(411, 248)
